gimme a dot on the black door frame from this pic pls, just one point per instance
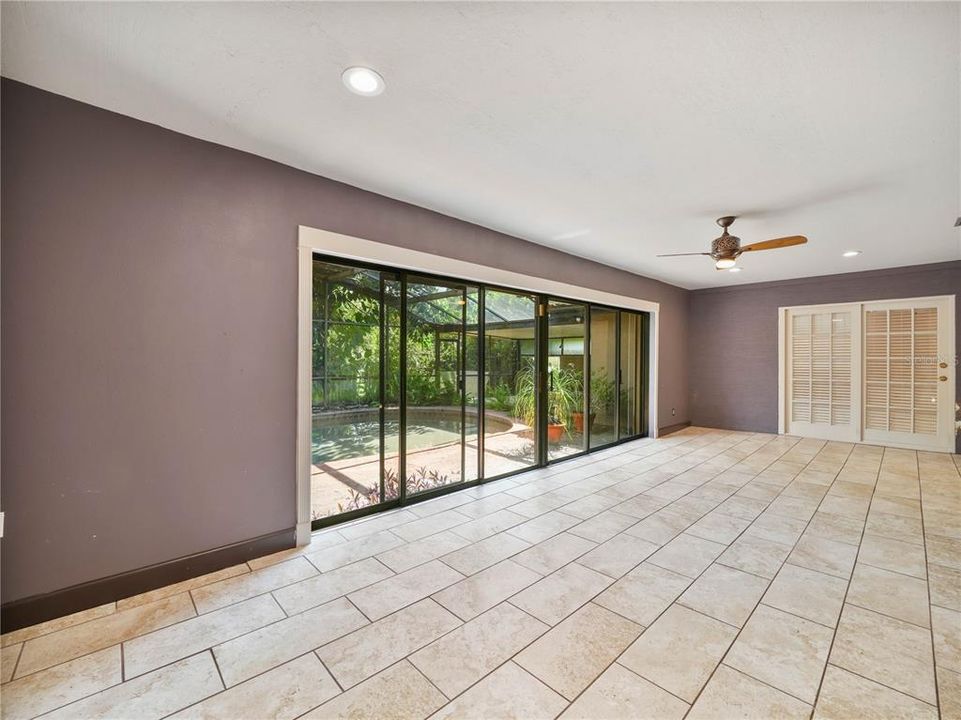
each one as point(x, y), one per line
point(541, 362)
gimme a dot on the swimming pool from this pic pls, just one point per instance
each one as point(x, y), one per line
point(343, 435)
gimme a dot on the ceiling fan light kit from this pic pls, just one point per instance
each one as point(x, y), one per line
point(726, 249)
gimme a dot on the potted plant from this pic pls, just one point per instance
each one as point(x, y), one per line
point(562, 397)
point(602, 396)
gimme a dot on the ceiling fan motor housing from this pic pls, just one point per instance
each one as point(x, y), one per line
point(725, 246)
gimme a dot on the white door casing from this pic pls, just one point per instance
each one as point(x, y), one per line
point(899, 368)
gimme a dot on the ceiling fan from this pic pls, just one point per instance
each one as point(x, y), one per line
point(726, 249)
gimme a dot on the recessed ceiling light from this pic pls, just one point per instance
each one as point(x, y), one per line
point(735, 269)
point(363, 81)
point(852, 253)
point(725, 263)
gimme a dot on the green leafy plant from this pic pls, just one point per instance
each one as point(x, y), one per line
point(564, 393)
point(603, 393)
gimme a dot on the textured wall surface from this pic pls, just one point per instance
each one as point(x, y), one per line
point(733, 335)
point(149, 334)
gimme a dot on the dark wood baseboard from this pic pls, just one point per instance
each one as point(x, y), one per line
point(661, 432)
point(39, 608)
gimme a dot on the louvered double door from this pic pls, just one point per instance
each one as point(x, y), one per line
point(880, 372)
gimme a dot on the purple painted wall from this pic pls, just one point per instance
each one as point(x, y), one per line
point(733, 364)
point(149, 334)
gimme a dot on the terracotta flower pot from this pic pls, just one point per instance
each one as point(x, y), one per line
point(555, 431)
point(578, 418)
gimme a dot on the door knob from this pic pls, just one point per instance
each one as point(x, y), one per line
point(942, 365)
point(943, 378)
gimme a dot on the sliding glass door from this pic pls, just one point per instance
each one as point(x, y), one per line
point(422, 384)
point(566, 400)
point(603, 383)
point(630, 376)
point(510, 382)
point(435, 427)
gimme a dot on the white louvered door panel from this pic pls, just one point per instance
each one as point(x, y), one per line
point(909, 373)
point(822, 344)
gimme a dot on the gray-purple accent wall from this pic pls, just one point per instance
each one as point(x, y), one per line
point(149, 334)
point(733, 365)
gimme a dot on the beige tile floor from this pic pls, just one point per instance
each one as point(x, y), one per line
point(711, 574)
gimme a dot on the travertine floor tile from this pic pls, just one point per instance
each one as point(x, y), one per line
point(644, 593)
point(186, 585)
point(691, 536)
point(718, 527)
point(421, 551)
point(553, 554)
point(232, 590)
point(944, 551)
point(826, 556)
point(462, 657)
point(893, 555)
point(473, 595)
point(571, 655)
point(680, 651)
point(756, 555)
point(162, 647)
point(62, 684)
point(897, 527)
point(77, 640)
point(603, 526)
point(889, 593)
point(949, 694)
point(397, 693)
point(511, 693)
point(891, 652)
point(561, 593)
point(488, 525)
point(845, 695)
point(730, 694)
point(429, 525)
point(619, 693)
point(544, 526)
point(661, 527)
point(836, 527)
point(618, 555)
point(947, 638)
point(8, 661)
point(485, 553)
point(945, 586)
point(386, 596)
point(151, 696)
point(725, 594)
point(248, 655)
point(44, 628)
point(807, 593)
point(784, 651)
point(687, 555)
point(284, 693)
point(323, 588)
point(346, 553)
point(367, 651)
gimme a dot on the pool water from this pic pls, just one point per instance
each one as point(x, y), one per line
point(342, 436)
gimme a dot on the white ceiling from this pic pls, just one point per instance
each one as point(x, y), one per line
point(611, 131)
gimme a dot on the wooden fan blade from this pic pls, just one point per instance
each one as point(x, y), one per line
point(775, 243)
point(680, 254)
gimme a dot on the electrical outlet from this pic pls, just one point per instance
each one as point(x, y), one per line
point(673, 411)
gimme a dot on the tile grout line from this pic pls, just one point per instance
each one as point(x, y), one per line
point(847, 587)
point(550, 627)
point(927, 588)
point(692, 581)
point(783, 562)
